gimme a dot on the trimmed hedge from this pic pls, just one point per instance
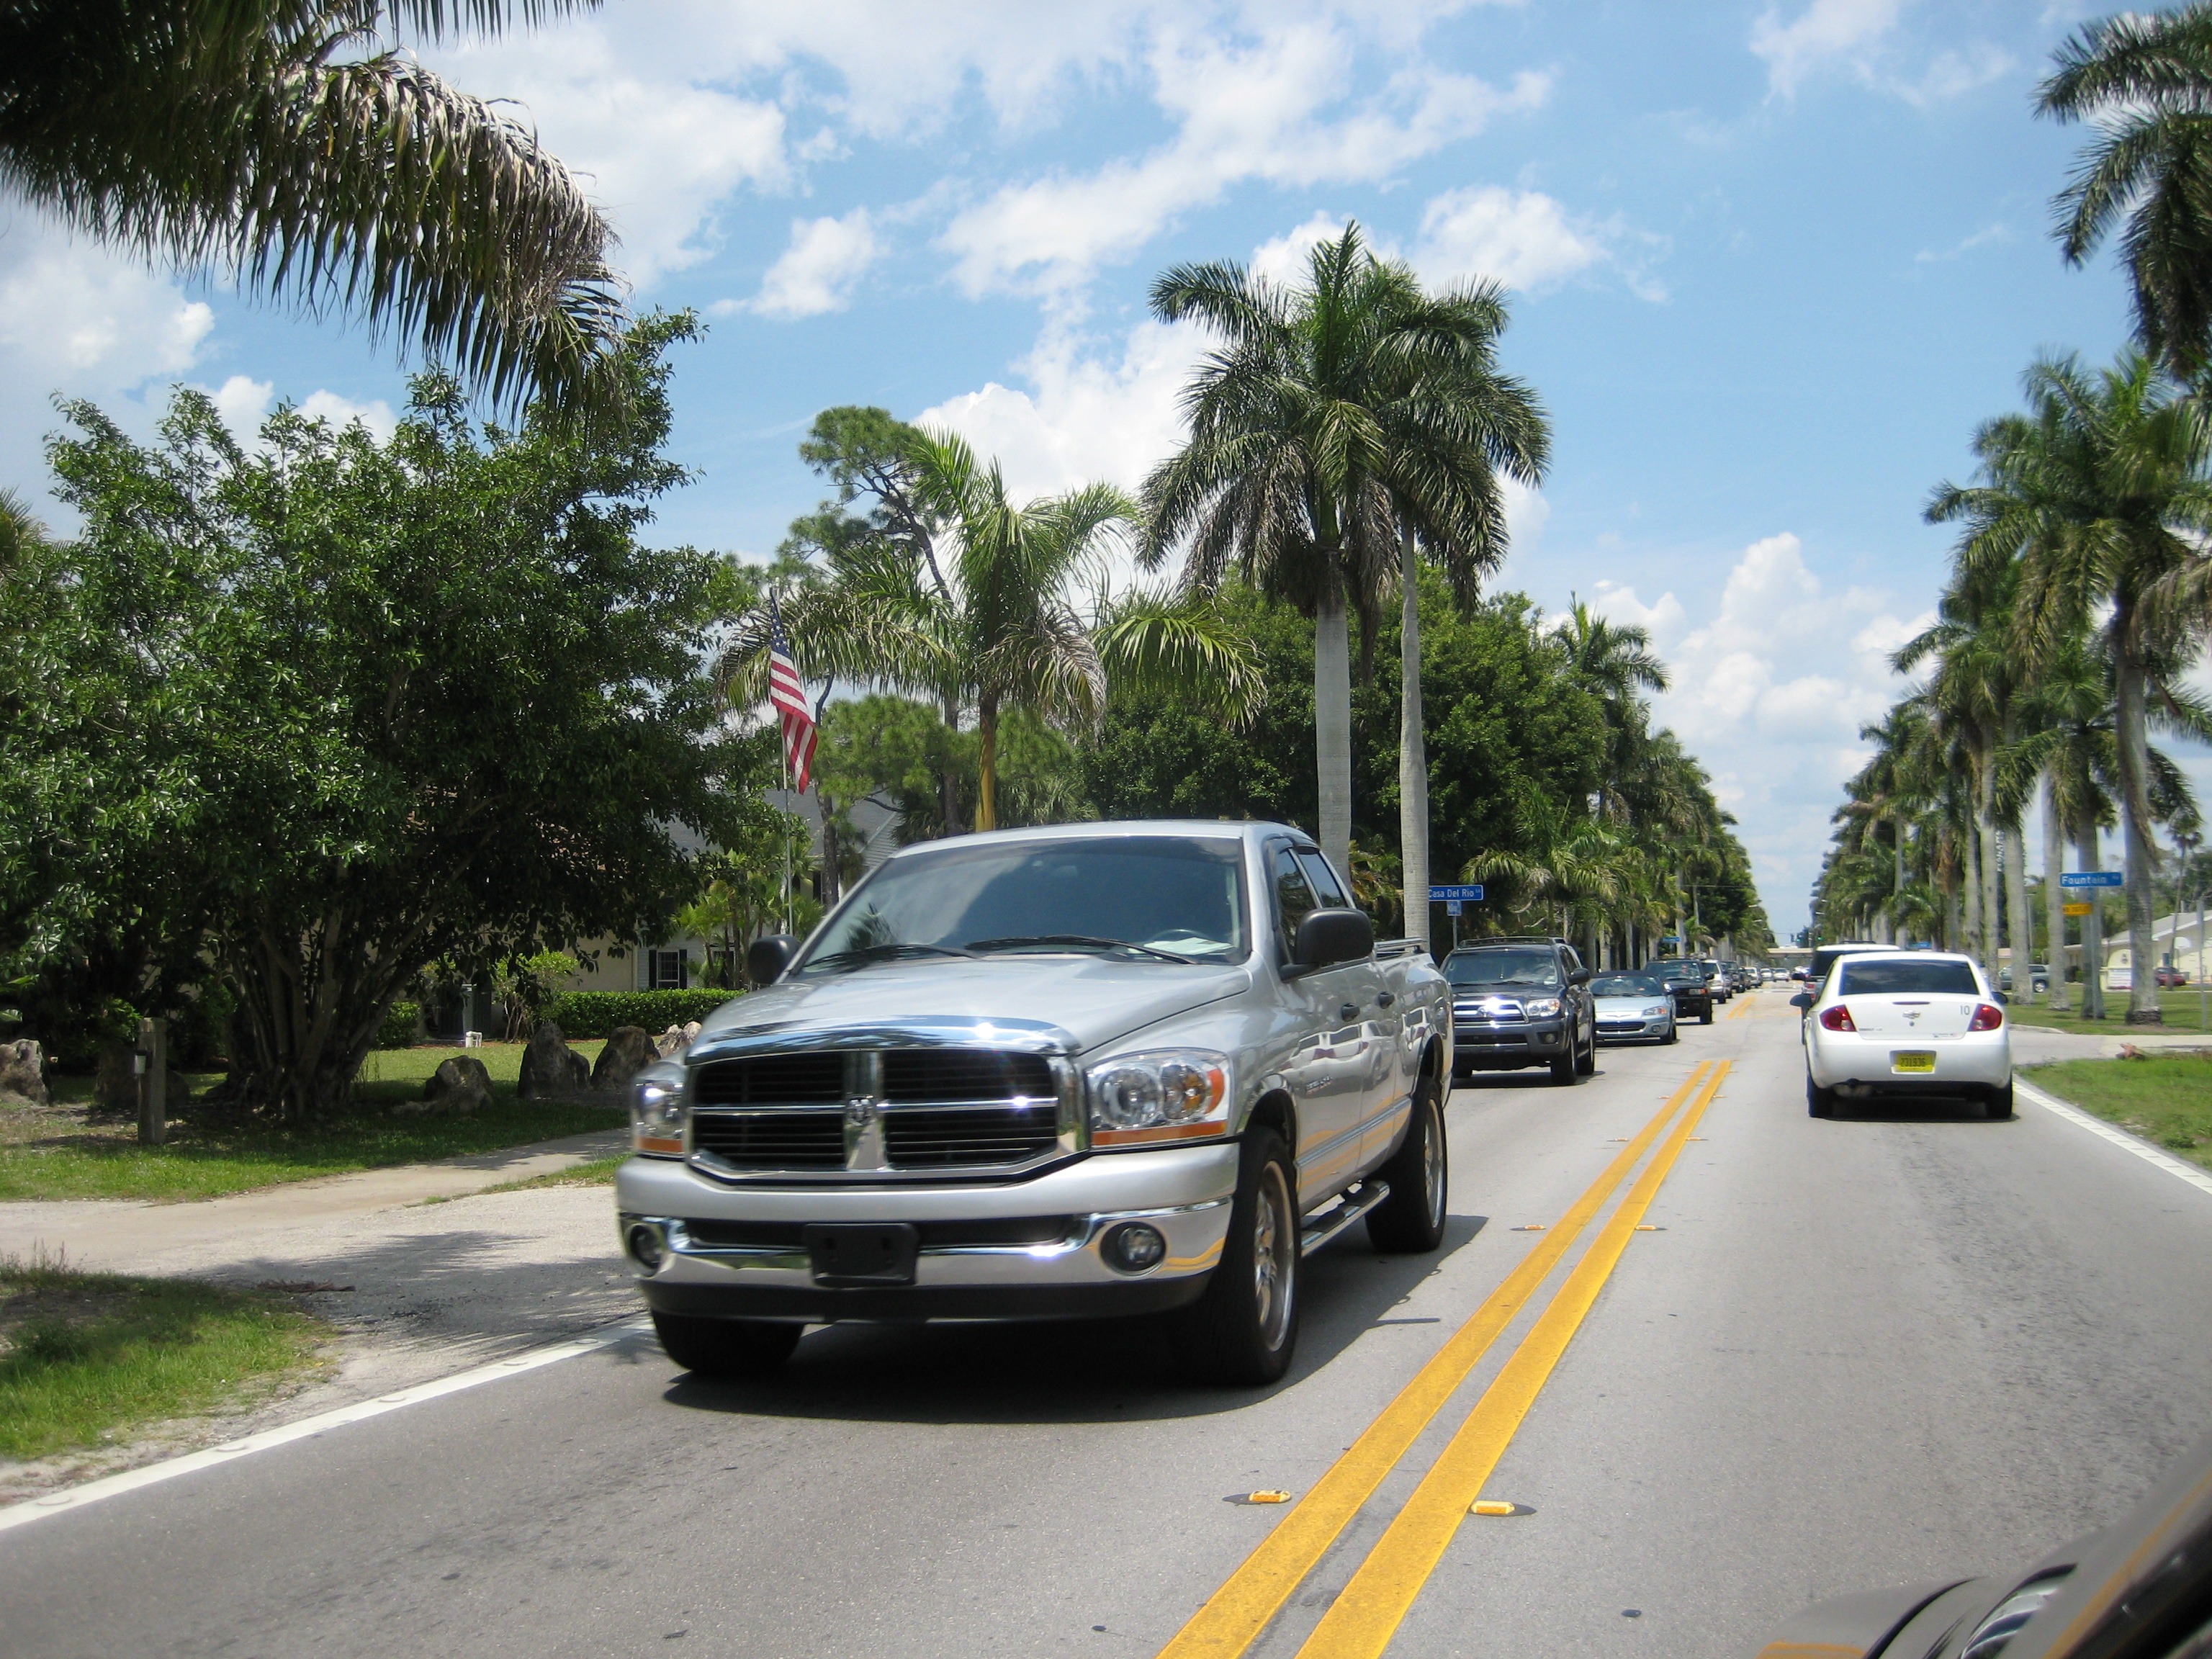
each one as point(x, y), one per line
point(581, 1014)
point(400, 1026)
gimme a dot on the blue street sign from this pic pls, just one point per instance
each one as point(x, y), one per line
point(1453, 908)
point(1463, 895)
point(2093, 879)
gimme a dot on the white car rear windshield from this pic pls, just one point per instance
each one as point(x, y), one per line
point(1880, 978)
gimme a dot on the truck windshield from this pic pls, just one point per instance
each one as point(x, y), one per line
point(1147, 898)
point(1503, 968)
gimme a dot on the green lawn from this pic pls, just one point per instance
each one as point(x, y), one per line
point(85, 1357)
point(72, 1149)
point(2180, 1006)
point(2166, 1099)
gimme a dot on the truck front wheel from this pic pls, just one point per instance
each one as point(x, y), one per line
point(1245, 1328)
point(1411, 1220)
point(727, 1348)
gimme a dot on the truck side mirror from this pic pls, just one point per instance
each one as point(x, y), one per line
point(766, 957)
point(1325, 938)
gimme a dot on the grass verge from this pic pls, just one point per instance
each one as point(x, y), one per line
point(2165, 1098)
point(73, 1150)
point(591, 1172)
point(86, 1358)
point(2180, 1006)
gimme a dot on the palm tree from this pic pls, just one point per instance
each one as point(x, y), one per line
point(2146, 82)
point(292, 146)
point(2099, 493)
point(1012, 612)
point(1615, 663)
point(1343, 427)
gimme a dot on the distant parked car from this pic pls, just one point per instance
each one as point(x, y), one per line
point(2169, 977)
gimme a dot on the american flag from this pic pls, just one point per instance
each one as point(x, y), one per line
point(789, 693)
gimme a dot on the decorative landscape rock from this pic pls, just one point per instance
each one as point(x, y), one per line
point(22, 1073)
point(459, 1085)
point(551, 1070)
point(630, 1049)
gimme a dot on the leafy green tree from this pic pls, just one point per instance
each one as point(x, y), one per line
point(293, 146)
point(380, 704)
point(1341, 424)
point(2144, 80)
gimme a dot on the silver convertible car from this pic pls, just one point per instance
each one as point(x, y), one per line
point(1634, 1007)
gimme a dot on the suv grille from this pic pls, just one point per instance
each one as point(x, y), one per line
point(948, 1108)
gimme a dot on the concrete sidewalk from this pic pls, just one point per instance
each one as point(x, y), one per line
point(419, 1289)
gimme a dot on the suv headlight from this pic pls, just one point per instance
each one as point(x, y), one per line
point(659, 1112)
point(1540, 1008)
point(1176, 1094)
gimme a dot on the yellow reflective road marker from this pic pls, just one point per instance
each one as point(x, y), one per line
point(1234, 1614)
point(1362, 1621)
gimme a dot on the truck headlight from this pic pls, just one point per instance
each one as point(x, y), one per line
point(658, 1112)
point(1540, 1008)
point(1138, 1100)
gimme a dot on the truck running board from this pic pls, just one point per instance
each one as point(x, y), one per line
point(1327, 1225)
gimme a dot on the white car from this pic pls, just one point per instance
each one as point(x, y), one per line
point(1905, 1023)
point(1634, 1007)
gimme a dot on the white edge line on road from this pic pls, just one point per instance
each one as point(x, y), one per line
point(112, 1486)
point(2200, 1179)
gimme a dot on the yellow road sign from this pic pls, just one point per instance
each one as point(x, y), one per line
point(2078, 910)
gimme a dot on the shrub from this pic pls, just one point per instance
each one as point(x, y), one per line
point(581, 1014)
point(401, 1026)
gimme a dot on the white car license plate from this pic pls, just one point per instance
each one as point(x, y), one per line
point(1911, 1060)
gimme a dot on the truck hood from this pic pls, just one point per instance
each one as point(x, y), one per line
point(1072, 1003)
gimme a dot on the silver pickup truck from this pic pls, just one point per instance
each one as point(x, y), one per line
point(1093, 1070)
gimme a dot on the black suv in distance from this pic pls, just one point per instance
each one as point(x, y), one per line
point(1692, 992)
point(1520, 1002)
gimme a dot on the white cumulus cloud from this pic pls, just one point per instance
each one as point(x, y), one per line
point(1522, 238)
point(1859, 38)
point(816, 272)
point(244, 403)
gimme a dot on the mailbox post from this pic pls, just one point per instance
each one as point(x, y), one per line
point(152, 1062)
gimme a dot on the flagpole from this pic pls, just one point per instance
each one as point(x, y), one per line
point(787, 834)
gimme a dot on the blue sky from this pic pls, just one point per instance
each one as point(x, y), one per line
point(1772, 263)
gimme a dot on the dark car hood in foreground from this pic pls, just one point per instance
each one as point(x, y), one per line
point(2142, 1585)
point(1081, 1001)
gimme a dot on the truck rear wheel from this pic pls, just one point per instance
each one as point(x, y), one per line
point(1410, 1221)
point(1245, 1329)
point(727, 1348)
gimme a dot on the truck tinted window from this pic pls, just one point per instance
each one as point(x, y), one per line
point(1183, 895)
point(1325, 885)
point(1887, 977)
point(1294, 895)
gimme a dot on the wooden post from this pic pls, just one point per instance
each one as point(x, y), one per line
point(153, 1082)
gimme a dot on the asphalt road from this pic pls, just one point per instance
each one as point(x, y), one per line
point(1888, 1347)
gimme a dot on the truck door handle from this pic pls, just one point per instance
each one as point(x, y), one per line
point(1350, 1011)
point(1386, 998)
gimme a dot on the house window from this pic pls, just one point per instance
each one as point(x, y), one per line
point(667, 971)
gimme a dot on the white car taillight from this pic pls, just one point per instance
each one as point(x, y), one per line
point(1837, 1018)
point(1987, 1017)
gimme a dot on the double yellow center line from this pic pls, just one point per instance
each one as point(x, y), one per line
point(1362, 1619)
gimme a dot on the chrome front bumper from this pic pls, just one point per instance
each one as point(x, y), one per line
point(1185, 1192)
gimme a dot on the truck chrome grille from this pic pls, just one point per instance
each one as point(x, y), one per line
point(944, 1076)
point(940, 1137)
point(882, 1111)
point(771, 1081)
point(772, 1141)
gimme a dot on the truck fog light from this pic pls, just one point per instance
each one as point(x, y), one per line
point(1134, 1247)
point(648, 1247)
